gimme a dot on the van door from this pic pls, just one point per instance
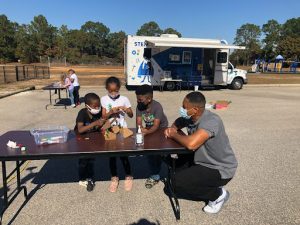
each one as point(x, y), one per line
point(221, 67)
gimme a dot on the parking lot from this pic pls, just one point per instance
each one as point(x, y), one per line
point(263, 126)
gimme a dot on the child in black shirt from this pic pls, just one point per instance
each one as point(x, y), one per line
point(88, 119)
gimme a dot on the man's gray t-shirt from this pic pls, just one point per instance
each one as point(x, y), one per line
point(155, 111)
point(216, 152)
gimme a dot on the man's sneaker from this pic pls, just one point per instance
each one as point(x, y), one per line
point(83, 183)
point(90, 185)
point(73, 105)
point(215, 206)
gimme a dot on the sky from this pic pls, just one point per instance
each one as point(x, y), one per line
point(192, 18)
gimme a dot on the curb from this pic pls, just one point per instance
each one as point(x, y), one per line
point(17, 92)
point(272, 85)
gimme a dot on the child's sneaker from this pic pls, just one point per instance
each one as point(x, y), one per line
point(215, 206)
point(83, 183)
point(90, 185)
point(128, 183)
point(114, 184)
point(151, 181)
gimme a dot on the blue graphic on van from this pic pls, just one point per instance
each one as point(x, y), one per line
point(145, 71)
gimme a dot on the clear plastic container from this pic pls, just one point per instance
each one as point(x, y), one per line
point(50, 135)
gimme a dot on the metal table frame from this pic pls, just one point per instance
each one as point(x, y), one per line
point(21, 159)
point(56, 89)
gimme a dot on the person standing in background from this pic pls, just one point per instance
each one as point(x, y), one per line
point(74, 80)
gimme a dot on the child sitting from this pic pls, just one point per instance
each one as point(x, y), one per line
point(89, 119)
point(116, 107)
point(152, 114)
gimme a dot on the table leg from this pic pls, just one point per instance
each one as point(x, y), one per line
point(6, 201)
point(171, 183)
point(58, 93)
point(50, 97)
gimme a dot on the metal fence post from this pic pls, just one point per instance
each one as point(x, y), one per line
point(17, 73)
point(4, 76)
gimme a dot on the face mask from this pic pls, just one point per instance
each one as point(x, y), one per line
point(183, 113)
point(114, 97)
point(93, 111)
point(142, 106)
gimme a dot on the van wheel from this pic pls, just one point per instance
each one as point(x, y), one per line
point(237, 84)
point(170, 86)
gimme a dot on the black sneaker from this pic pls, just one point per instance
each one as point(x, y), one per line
point(90, 185)
point(150, 182)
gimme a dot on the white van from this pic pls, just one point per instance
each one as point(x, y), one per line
point(169, 62)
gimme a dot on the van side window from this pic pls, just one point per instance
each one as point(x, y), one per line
point(186, 57)
point(147, 53)
point(222, 57)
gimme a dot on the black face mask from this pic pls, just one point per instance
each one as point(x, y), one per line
point(142, 106)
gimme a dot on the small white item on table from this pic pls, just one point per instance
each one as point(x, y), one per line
point(12, 144)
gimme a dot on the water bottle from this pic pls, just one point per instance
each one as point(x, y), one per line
point(139, 137)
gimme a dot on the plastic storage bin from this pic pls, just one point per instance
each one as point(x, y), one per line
point(50, 135)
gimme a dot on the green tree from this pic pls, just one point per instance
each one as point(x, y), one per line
point(115, 46)
point(43, 35)
point(149, 29)
point(7, 39)
point(289, 47)
point(95, 39)
point(62, 41)
point(248, 35)
point(170, 30)
point(26, 49)
point(75, 41)
point(272, 31)
point(291, 28)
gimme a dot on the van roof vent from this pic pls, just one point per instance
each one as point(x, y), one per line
point(169, 35)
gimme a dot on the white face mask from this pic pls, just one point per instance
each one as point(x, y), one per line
point(93, 111)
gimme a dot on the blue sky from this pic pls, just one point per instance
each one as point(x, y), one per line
point(202, 19)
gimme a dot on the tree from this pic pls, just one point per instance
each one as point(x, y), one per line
point(149, 29)
point(7, 39)
point(75, 40)
point(272, 31)
point(248, 35)
point(62, 41)
point(289, 47)
point(95, 38)
point(26, 49)
point(115, 47)
point(43, 35)
point(170, 30)
point(291, 28)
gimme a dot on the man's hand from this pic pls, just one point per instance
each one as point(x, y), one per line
point(170, 132)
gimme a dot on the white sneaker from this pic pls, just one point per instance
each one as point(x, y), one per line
point(83, 183)
point(215, 206)
point(73, 105)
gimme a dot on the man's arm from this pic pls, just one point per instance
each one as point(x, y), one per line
point(180, 123)
point(191, 142)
